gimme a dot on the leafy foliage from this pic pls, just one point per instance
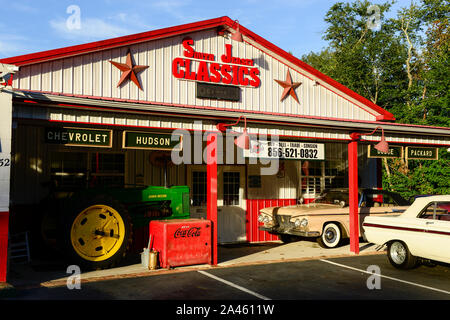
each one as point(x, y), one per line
point(421, 176)
point(401, 65)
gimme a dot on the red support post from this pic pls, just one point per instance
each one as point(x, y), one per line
point(353, 194)
point(211, 192)
point(4, 223)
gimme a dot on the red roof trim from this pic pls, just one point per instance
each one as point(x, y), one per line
point(238, 111)
point(186, 28)
point(112, 43)
point(185, 106)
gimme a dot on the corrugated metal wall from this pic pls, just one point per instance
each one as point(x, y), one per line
point(93, 75)
point(253, 208)
point(283, 185)
point(36, 112)
point(280, 189)
point(148, 121)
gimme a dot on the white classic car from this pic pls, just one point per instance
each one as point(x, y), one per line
point(421, 233)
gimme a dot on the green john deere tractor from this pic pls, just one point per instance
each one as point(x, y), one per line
point(94, 226)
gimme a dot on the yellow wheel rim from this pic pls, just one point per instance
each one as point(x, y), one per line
point(97, 233)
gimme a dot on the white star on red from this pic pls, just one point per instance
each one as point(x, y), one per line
point(128, 70)
point(289, 87)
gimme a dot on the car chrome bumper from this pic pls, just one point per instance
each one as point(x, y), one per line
point(275, 230)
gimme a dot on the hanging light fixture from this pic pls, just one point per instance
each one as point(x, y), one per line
point(237, 36)
point(243, 140)
point(381, 146)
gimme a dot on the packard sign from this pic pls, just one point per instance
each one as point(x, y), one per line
point(421, 153)
point(285, 150)
point(79, 137)
point(151, 141)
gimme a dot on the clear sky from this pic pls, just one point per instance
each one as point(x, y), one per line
point(28, 26)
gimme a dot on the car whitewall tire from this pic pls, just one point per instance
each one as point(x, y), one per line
point(331, 236)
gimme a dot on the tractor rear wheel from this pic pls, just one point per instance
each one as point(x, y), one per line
point(98, 233)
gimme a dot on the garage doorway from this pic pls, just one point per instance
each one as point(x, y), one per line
point(231, 214)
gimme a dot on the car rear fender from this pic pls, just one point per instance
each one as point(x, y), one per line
point(412, 249)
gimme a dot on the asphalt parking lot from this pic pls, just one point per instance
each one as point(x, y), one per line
point(365, 277)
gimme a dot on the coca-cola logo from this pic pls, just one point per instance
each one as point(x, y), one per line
point(187, 232)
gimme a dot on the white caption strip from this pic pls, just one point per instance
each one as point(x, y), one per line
point(390, 278)
point(234, 285)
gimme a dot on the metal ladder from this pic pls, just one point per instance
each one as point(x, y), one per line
point(19, 249)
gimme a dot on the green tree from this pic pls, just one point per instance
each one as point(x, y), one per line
point(403, 66)
point(428, 97)
point(409, 27)
point(420, 176)
point(367, 59)
point(436, 96)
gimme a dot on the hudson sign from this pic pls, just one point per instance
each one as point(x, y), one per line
point(201, 66)
point(151, 141)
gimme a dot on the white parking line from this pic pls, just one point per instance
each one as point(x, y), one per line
point(234, 285)
point(390, 278)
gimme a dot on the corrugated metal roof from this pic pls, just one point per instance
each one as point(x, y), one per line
point(99, 112)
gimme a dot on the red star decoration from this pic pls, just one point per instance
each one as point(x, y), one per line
point(128, 70)
point(289, 87)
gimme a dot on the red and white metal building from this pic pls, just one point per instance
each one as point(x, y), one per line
point(79, 87)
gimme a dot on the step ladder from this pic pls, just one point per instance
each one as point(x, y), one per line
point(19, 249)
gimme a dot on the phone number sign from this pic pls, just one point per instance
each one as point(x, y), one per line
point(286, 150)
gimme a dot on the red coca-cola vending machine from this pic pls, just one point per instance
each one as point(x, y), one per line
point(181, 242)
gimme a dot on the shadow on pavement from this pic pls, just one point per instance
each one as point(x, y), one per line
point(47, 268)
point(227, 252)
